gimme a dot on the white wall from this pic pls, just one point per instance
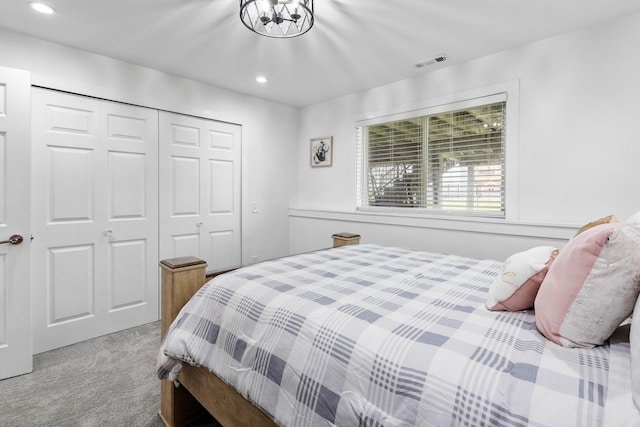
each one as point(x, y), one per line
point(578, 148)
point(265, 234)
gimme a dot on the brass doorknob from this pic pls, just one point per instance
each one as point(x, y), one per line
point(16, 239)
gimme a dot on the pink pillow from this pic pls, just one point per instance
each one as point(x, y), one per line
point(516, 287)
point(591, 287)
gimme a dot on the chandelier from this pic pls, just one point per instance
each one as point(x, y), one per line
point(277, 18)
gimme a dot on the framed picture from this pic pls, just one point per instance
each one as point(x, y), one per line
point(321, 151)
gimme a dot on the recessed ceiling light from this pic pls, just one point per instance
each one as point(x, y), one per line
point(261, 79)
point(42, 8)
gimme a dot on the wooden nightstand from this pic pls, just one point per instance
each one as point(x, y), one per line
point(344, 239)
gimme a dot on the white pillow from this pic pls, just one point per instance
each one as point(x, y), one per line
point(634, 219)
point(522, 273)
point(634, 342)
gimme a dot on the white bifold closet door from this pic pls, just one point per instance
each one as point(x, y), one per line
point(94, 217)
point(200, 190)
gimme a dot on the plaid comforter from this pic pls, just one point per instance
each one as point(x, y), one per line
point(376, 336)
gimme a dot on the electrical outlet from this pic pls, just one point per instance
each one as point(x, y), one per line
point(254, 207)
point(254, 259)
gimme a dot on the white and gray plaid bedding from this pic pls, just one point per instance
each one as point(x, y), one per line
point(374, 336)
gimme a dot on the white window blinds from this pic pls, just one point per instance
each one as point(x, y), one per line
point(448, 160)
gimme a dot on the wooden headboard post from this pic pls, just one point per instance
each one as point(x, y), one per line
point(345, 239)
point(181, 279)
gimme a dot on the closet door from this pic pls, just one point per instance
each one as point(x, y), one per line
point(94, 218)
point(200, 190)
point(130, 138)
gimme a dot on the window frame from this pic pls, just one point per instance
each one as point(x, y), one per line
point(506, 91)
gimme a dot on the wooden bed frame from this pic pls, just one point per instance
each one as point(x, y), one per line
point(200, 391)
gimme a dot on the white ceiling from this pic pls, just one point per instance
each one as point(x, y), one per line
point(354, 44)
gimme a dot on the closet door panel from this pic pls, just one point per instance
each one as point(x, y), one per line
point(200, 195)
point(127, 186)
point(70, 278)
point(185, 133)
point(71, 124)
point(66, 222)
point(71, 183)
point(180, 186)
point(223, 180)
point(221, 197)
point(218, 248)
point(127, 274)
point(185, 186)
point(67, 297)
point(130, 139)
point(95, 188)
point(127, 131)
point(185, 245)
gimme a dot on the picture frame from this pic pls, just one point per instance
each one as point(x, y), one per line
point(321, 151)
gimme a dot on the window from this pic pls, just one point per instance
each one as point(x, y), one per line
point(448, 159)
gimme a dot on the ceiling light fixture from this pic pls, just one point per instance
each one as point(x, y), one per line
point(42, 8)
point(261, 79)
point(277, 18)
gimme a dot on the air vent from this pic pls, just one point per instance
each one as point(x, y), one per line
point(430, 61)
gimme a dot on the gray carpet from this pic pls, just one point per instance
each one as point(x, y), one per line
point(106, 381)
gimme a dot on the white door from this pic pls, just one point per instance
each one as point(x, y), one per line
point(15, 282)
point(200, 190)
point(95, 217)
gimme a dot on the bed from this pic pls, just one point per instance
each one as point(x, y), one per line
point(365, 335)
